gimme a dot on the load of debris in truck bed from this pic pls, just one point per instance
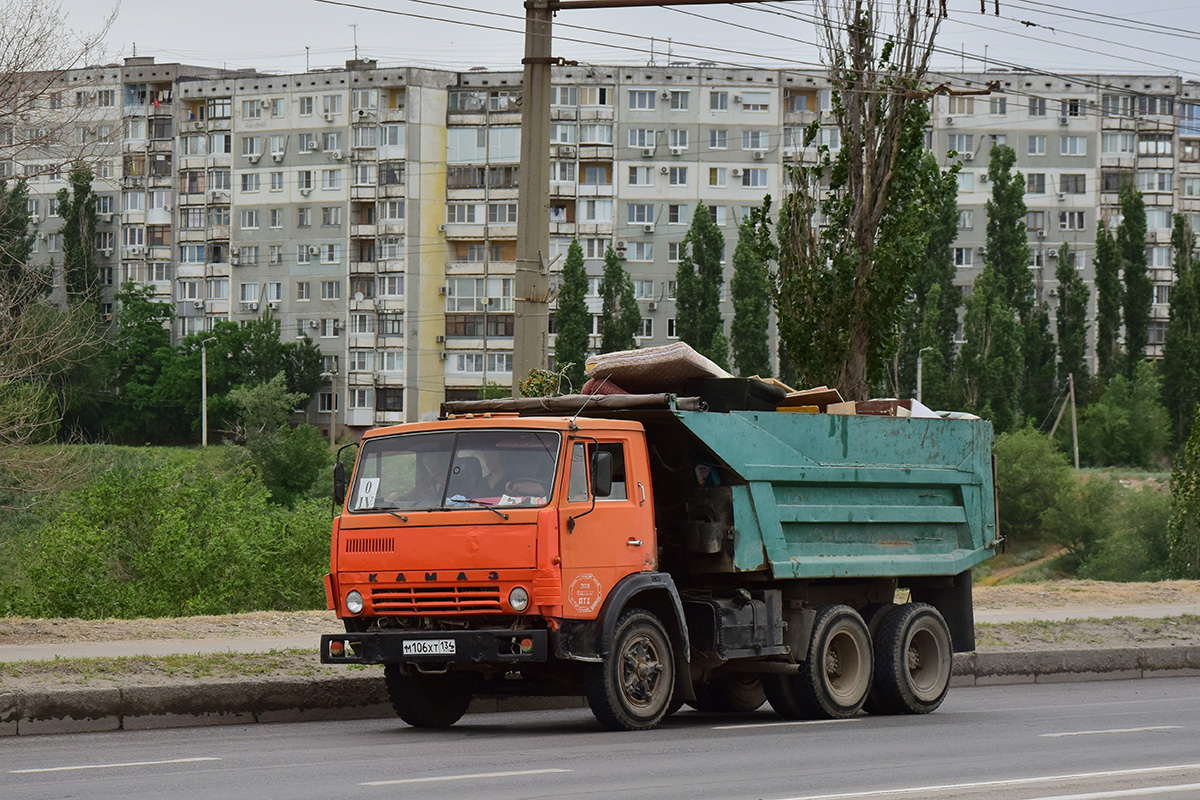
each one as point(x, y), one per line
point(675, 375)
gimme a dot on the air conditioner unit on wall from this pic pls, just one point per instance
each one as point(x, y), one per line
point(968, 156)
point(652, 306)
point(648, 152)
point(328, 117)
point(759, 155)
point(664, 170)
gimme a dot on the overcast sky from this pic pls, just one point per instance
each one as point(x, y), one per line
point(1151, 36)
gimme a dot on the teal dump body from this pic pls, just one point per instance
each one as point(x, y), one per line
point(829, 496)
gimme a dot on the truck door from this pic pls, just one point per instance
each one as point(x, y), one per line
point(610, 539)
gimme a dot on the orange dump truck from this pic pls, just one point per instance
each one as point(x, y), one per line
point(644, 552)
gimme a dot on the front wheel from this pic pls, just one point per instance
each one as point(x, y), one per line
point(631, 689)
point(835, 676)
point(426, 701)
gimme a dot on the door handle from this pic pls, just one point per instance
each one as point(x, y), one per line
point(634, 542)
point(642, 489)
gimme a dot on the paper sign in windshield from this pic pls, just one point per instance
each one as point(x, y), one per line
point(367, 489)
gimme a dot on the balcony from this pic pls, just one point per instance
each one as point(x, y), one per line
point(362, 267)
point(363, 230)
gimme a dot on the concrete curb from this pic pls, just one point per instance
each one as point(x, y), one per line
point(362, 696)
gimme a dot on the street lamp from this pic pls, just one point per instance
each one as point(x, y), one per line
point(204, 390)
point(919, 352)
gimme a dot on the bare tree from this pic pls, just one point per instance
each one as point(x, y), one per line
point(45, 105)
point(877, 55)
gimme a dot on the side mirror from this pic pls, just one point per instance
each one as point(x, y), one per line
point(602, 473)
point(339, 484)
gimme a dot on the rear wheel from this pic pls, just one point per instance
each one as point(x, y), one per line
point(914, 660)
point(426, 701)
point(632, 688)
point(873, 615)
point(835, 677)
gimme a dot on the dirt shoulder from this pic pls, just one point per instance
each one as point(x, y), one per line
point(1177, 631)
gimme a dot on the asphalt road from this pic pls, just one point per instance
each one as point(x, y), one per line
point(1078, 741)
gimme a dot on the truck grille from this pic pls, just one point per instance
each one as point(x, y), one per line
point(437, 599)
point(372, 544)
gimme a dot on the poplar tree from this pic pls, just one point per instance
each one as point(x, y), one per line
point(1181, 352)
point(1007, 242)
point(1139, 291)
point(931, 315)
point(620, 316)
point(19, 285)
point(78, 211)
point(1071, 318)
point(990, 364)
point(698, 281)
point(572, 321)
point(751, 294)
point(1109, 298)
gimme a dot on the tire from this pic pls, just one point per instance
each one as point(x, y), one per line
point(873, 615)
point(835, 676)
point(632, 689)
point(426, 701)
point(737, 694)
point(914, 660)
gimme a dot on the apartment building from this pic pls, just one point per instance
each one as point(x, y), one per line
point(374, 208)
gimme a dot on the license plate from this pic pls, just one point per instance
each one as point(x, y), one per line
point(429, 647)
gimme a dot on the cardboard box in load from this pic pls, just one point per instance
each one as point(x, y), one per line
point(821, 397)
point(845, 409)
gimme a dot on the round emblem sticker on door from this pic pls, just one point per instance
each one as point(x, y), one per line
point(585, 593)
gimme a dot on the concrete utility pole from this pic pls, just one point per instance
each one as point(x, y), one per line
point(532, 285)
point(204, 391)
point(531, 301)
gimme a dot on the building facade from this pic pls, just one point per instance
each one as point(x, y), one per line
point(373, 208)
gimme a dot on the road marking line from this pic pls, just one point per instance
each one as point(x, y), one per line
point(991, 784)
point(1143, 792)
point(780, 724)
point(111, 766)
point(440, 778)
point(1113, 730)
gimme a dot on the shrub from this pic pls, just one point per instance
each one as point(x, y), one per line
point(156, 540)
point(1184, 528)
point(1128, 426)
point(1030, 473)
point(1081, 517)
point(1137, 549)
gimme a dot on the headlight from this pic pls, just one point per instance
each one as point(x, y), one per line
point(354, 602)
point(518, 599)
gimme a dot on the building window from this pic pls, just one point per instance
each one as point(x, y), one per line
point(963, 256)
point(646, 329)
point(1035, 183)
point(677, 176)
point(1072, 183)
point(1037, 106)
point(1070, 220)
point(1037, 145)
point(966, 219)
point(754, 140)
point(998, 106)
point(641, 214)
point(754, 178)
point(1072, 146)
point(642, 138)
point(679, 100)
point(718, 101)
point(718, 139)
point(756, 101)
point(641, 251)
point(717, 176)
point(641, 100)
point(1035, 220)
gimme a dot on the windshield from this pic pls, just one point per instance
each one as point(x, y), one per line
point(452, 469)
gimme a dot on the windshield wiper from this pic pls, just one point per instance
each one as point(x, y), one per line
point(386, 510)
point(482, 504)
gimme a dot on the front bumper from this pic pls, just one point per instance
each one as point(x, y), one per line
point(435, 647)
